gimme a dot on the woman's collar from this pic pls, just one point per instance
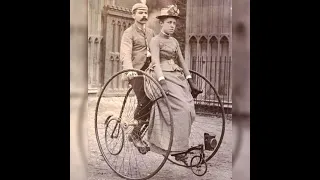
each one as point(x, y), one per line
point(165, 35)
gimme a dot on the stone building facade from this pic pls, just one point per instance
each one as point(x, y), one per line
point(207, 39)
point(208, 42)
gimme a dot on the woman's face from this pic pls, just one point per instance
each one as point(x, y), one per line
point(168, 25)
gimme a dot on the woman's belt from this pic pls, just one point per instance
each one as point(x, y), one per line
point(169, 61)
point(169, 65)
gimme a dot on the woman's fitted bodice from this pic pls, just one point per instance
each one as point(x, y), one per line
point(168, 54)
point(168, 49)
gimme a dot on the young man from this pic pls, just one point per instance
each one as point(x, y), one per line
point(135, 54)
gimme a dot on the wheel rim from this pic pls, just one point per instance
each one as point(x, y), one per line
point(126, 145)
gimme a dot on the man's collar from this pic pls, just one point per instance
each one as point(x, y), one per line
point(138, 28)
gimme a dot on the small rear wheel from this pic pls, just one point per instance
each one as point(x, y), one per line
point(198, 166)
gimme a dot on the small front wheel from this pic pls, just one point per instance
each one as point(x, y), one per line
point(198, 166)
point(114, 136)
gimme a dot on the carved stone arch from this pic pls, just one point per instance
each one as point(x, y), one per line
point(224, 71)
point(96, 40)
point(224, 38)
point(213, 38)
point(202, 56)
point(213, 57)
point(116, 58)
point(203, 42)
point(192, 39)
point(111, 58)
point(193, 45)
point(224, 43)
point(193, 51)
point(202, 39)
point(90, 39)
point(213, 44)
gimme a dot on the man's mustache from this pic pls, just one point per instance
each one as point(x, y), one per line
point(144, 18)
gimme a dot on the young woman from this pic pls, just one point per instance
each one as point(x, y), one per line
point(169, 68)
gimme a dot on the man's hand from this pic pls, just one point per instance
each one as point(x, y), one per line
point(131, 75)
point(164, 86)
point(195, 91)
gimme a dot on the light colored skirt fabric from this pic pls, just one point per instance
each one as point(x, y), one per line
point(182, 110)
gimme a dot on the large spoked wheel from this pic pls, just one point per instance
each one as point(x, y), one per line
point(124, 125)
point(210, 119)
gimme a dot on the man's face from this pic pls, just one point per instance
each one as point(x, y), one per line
point(141, 16)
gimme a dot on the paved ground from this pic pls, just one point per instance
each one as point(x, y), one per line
point(219, 167)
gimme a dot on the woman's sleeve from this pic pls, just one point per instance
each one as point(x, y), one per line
point(155, 58)
point(181, 61)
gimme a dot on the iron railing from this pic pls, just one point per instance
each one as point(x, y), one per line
point(218, 71)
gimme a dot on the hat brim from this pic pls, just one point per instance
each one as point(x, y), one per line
point(167, 16)
point(141, 8)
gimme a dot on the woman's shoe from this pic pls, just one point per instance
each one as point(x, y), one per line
point(182, 158)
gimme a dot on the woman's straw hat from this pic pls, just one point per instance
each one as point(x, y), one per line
point(170, 11)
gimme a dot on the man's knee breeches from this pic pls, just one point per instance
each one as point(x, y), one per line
point(142, 110)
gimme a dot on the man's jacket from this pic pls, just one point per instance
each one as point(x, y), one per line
point(133, 48)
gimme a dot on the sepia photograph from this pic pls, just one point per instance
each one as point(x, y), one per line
point(160, 90)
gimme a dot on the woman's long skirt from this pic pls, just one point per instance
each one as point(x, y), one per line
point(182, 110)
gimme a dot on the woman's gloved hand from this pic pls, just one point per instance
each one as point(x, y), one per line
point(131, 74)
point(164, 86)
point(195, 91)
